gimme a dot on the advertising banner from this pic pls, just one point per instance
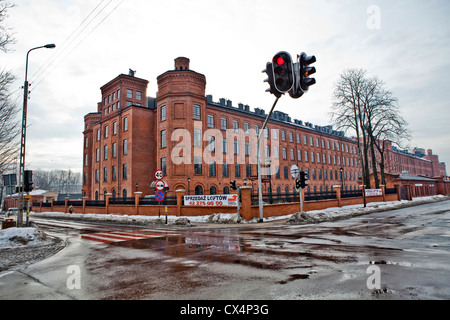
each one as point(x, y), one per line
point(373, 192)
point(213, 200)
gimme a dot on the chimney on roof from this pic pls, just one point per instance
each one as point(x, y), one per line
point(182, 63)
point(429, 152)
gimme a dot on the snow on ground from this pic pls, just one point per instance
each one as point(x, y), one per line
point(227, 218)
point(336, 213)
point(17, 237)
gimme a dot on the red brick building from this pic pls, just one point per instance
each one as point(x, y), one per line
point(202, 145)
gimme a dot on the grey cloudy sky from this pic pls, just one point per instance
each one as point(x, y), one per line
point(409, 49)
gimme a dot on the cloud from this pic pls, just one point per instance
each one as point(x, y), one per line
point(230, 42)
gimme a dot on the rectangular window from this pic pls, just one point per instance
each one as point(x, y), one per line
point(125, 124)
point(129, 94)
point(225, 170)
point(125, 146)
point(125, 171)
point(97, 154)
point(212, 169)
point(105, 174)
point(98, 135)
point(197, 114)
point(97, 175)
point(164, 165)
point(163, 139)
point(106, 131)
point(163, 113)
point(114, 173)
point(105, 152)
point(223, 123)
point(115, 128)
point(114, 150)
point(197, 137)
point(246, 127)
point(235, 125)
point(237, 170)
point(210, 121)
point(197, 165)
point(138, 95)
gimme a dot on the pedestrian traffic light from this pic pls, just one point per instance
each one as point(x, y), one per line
point(283, 71)
point(297, 184)
point(28, 181)
point(233, 185)
point(306, 71)
point(270, 80)
point(303, 179)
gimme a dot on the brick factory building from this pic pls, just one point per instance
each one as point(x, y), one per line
point(202, 145)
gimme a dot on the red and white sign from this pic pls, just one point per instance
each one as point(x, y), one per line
point(373, 192)
point(228, 200)
point(159, 185)
point(159, 175)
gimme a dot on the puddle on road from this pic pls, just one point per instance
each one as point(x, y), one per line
point(257, 251)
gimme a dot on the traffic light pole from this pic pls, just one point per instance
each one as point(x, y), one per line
point(261, 215)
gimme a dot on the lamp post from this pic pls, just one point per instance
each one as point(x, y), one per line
point(23, 139)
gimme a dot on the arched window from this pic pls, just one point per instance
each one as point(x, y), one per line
point(124, 193)
point(226, 190)
point(278, 192)
point(198, 190)
point(114, 193)
point(96, 195)
point(212, 190)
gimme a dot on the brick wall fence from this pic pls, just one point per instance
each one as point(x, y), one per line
point(247, 210)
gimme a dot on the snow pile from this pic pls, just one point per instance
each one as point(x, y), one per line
point(337, 213)
point(14, 237)
point(224, 218)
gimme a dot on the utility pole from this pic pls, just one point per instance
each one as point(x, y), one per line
point(23, 136)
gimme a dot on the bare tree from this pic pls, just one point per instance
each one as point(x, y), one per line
point(6, 35)
point(364, 105)
point(60, 181)
point(348, 112)
point(9, 124)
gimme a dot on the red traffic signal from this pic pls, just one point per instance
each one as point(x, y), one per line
point(283, 71)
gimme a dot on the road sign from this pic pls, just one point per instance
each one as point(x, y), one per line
point(159, 185)
point(294, 171)
point(159, 196)
point(159, 174)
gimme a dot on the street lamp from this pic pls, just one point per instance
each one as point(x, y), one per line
point(23, 139)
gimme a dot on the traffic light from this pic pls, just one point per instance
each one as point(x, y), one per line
point(303, 179)
point(233, 185)
point(306, 71)
point(302, 71)
point(270, 80)
point(297, 184)
point(283, 71)
point(28, 181)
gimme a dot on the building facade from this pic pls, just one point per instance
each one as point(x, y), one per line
point(203, 145)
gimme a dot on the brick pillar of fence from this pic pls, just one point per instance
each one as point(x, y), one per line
point(337, 189)
point(383, 192)
point(66, 204)
point(246, 200)
point(84, 204)
point(137, 196)
point(180, 197)
point(52, 202)
point(107, 197)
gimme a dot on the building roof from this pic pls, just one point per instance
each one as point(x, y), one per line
point(406, 176)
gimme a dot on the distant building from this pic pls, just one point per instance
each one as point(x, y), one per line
point(131, 135)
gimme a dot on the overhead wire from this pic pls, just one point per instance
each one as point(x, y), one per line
point(59, 51)
point(79, 34)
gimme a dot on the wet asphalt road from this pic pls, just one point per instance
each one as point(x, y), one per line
point(410, 247)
